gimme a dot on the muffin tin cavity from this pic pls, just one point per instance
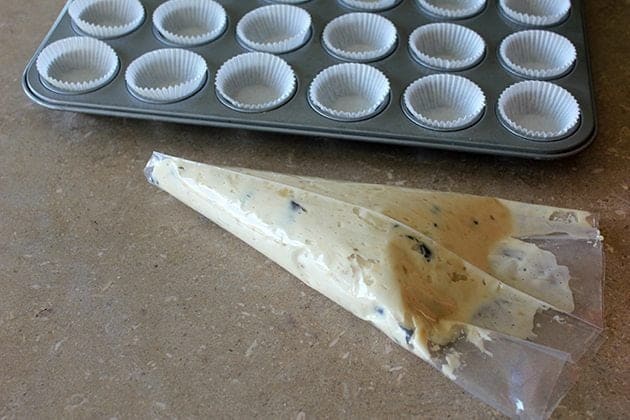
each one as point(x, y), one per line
point(166, 75)
point(446, 46)
point(452, 9)
point(190, 22)
point(255, 82)
point(106, 18)
point(349, 92)
point(536, 12)
point(444, 102)
point(360, 37)
point(275, 29)
point(539, 110)
point(77, 65)
point(370, 5)
point(537, 54)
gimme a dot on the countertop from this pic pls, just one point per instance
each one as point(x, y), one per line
point(119, 302)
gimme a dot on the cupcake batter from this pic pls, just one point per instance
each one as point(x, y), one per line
point(424, 267)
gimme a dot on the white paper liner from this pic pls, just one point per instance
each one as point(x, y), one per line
point(446, 46)
point(77, 64)
point(106, 18)
point(277, 28)
point(166, 75)
point(452, 9)
point(289, 1)
point(537, 54)
point(190, 22)
point(359, 37)
point(444, 102)
point(349, 91)
point(255, 82)
point(536, 12)
point(539, 110)
point(371, 5)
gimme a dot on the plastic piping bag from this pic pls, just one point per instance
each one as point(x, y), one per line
point(504, 298)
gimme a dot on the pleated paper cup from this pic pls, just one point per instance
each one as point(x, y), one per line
point(276, 29)
point(166, 75)
point(537, 54)
point(349, 92)
point(190, 22)
point(538, 110)
point(370, 5)
point(444, 102)
point(452, 9)
point(536, 12)
point(446, 46)
point(106, 18)
point(360, 37)
point(255, 82)
point(77, 65)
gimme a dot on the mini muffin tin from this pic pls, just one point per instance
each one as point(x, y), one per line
point(477, 126)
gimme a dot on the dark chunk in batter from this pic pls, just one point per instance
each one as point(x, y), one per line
point(424, 250)
point(297, 208)
point(408, 333)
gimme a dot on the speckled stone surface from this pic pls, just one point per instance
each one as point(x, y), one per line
point(118, 301)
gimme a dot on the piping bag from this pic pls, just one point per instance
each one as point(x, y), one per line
point(504, 298)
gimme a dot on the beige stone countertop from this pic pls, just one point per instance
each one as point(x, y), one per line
point(117, 301)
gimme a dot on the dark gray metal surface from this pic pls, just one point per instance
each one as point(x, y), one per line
point(297, 116)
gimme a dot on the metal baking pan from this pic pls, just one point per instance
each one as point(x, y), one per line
point(298, 117)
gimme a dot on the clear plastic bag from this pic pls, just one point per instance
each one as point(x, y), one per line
point(511, 329)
